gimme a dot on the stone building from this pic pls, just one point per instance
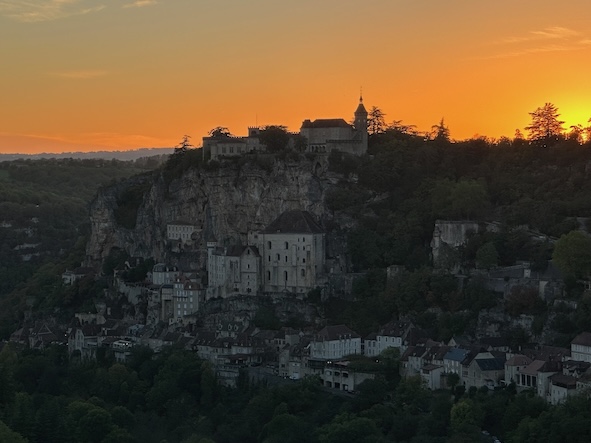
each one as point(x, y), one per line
point(322, 135)
point(292, 252)
point(186, 297)
point(325, 135)
point(233, 270)
point(224, 145)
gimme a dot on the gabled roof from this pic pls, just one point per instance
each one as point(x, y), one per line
point(490, 364)
point(518, 360)
point(294, 222)
point(456, 354)
point(583, 339)
point(395, 328)
point(336, 332)
point(533, 367)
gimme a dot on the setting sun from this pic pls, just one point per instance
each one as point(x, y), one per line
point(122, 75)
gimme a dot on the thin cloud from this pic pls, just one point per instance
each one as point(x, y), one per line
point(79, 75)
point(140, 4)
point(551, 39)
point(551, 33)
point(32, 11)
point(536, 50)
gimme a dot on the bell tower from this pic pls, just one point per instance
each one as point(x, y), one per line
point(361, 125)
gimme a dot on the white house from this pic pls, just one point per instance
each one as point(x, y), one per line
point(335, 342)
point(580, 347)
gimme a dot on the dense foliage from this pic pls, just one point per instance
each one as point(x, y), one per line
point(44, 222)
point(174, 397)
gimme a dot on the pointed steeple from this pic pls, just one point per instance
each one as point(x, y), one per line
point(360, 109)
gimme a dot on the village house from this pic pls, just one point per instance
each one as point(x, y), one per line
point(181, 234)
point(391, 335)
point(580, 347)
point(514, 366)
point(339, 375)
point(484, 370)
point(335, 342)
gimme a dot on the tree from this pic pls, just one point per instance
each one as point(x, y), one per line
point(440, 132)
point(219, 131)
point(487, 256)
point(545, 128)
point(376, 122)
point(572, 254)
point(275, 138)
point(398, 126)
point(469, 198)
point(183, 145)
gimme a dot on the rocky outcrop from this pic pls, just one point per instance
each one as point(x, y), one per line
point(225, 202)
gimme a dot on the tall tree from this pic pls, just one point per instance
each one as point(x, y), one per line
point(545, 128)
point(440, 132)
point(183, 145)
point(376, 122)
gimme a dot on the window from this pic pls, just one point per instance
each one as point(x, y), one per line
point(303, 260)
point(269, 244)
point(269, 258)
point(286, 259)
point(278, 257)
point(286, 245)
point(285, 273)
point(269, 275)
point(303, 272)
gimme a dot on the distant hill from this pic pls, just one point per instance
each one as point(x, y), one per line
point(105, 155)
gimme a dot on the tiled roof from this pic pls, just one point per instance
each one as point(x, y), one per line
point(490, 364)
point(518, 360)
point(564, 381)
point(583, 339)
point(456, 354)
point(533, 367)
point(395, 328)
point(336, 332)
point(294, 222)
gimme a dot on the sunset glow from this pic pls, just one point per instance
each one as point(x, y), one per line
point(122, 74)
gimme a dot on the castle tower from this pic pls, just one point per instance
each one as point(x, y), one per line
point(361, 124)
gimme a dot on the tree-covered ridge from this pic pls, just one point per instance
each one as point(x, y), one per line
point(44, 221)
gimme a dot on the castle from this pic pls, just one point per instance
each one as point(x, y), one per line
point(321, 135)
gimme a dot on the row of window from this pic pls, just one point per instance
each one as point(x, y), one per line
point(286, 258)
point(285, 244)
point(286, 275)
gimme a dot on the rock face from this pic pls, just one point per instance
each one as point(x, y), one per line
point(225, 202)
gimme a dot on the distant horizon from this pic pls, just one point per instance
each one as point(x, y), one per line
point(129, 154)
point(124, 75)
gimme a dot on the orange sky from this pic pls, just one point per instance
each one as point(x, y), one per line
point(121, 74)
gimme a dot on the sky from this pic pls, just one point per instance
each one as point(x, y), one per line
point(85, 75)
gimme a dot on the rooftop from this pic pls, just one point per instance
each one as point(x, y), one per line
point(294, 222)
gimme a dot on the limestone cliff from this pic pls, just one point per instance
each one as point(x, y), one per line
point(226, 202)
